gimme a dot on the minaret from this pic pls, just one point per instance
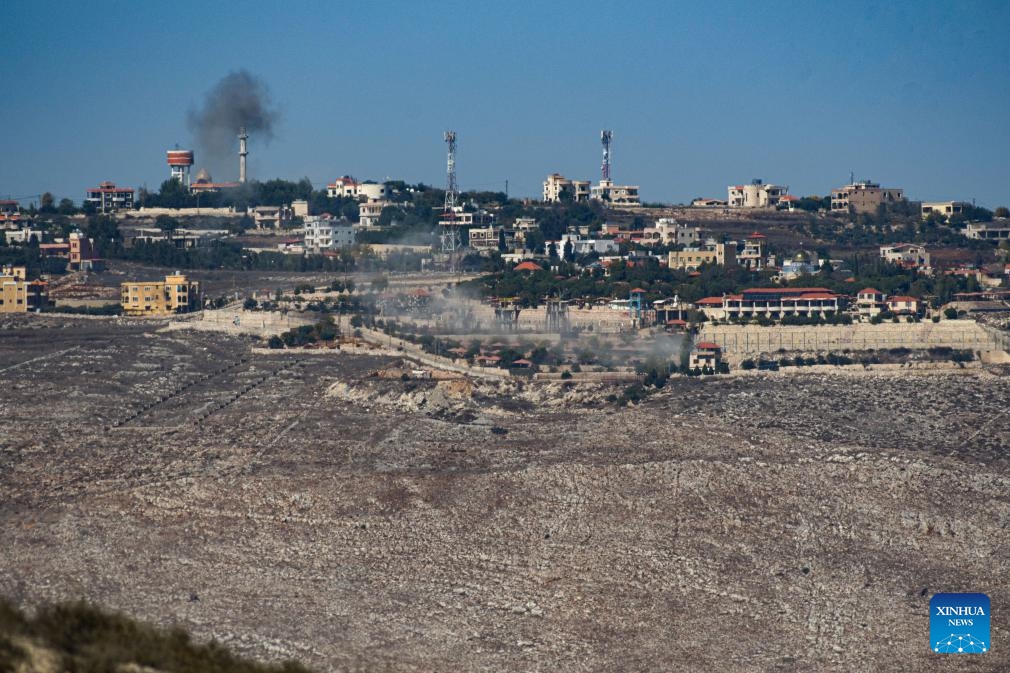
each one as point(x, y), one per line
point(242, 153)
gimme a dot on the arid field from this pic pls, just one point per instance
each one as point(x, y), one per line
point(291, 505)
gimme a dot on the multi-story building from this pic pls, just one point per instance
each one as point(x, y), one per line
point(581, 246)
point(863, 197)
point(616, 195)
point(908, 255)
point(671, 232)
point(343, 187)
point(10, 214)
point(349, 188)
point(369, 213)
point(488, 239)
point(774, 303)
point(755, 195)
point(903, 305)
point(752, 255)
point(175, 294)
point(108, 198)
point(557, 187)
point(17, 293)
point(272, 217)
point(82, 252)
point(869, 302)
point(705, 354)
point(690, 259)
point(946, 208)
point(997, 230)
point(324, 233)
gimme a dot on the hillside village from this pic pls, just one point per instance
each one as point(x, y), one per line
point(583, 258)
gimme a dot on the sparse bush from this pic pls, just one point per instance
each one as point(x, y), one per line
point(566, 374)
point(747, 364)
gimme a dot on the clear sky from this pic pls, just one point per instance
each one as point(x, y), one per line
point(909, 94)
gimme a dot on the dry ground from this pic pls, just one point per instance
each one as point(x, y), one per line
point(290, 507)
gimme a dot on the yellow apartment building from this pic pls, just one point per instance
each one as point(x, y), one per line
point(17, 293)
point(175, 294)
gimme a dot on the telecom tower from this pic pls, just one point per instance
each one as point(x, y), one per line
point(450, 228)
point(606, 137)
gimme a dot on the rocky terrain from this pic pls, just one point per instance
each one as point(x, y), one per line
point(296, 506)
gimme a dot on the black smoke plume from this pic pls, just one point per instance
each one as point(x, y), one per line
point(239, 100)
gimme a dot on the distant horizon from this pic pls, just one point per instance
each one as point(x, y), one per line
point(909, 95)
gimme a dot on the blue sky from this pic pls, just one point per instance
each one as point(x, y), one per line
point(910, 94)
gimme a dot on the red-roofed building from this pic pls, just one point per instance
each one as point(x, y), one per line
point(705, 354)
point(870, 301)
point(903, 305)
point(774, 302)
point(108, 198)
point(527, 266)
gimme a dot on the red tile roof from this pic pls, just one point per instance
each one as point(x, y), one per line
point(707, 346)
point(527, 266)
point(870, 290)
point(710, 301)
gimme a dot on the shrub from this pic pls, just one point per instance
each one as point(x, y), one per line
point(566, 374)
point(950, 313)
point(747, 364)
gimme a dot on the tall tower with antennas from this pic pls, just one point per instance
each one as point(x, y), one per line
point(449, 226)
point(606, 137)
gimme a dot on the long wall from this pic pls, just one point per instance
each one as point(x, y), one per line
point(741, 341)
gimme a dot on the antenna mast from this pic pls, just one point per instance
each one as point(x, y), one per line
point(450, 229)
point(606, 137)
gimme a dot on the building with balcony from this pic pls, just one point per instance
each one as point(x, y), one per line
point(690, 259)
point(175, 294)
point(369, 213)
point(705, 355)
point(17, 293)
point(615, 195)
point(907, 255)
point(863, 197)
point(488, 239)
point(108, 198)
point(668, 231)
point(752, 255)
point(997, 230)
point(559, 188)
point(755, 195)
point(945, 208)
point(870, 302)
point(324, 233)
point(348, 188)
point(773, 303)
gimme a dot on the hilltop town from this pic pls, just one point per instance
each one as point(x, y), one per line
point(391, 426)
point(760, 279)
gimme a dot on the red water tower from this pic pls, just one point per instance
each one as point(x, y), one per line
point(180, 161)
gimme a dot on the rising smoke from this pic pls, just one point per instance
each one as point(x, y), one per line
point(240, 99)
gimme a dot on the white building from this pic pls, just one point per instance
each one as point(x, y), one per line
point(671, 232)
point(349, 188)
point(908, 255)
point(487, 239)
point(617, 195)
point(556, 185)
point(327, 233)
point(755, 195)
point(582, 246)
point(369, 213)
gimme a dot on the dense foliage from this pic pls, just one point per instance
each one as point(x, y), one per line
point(88, 640)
